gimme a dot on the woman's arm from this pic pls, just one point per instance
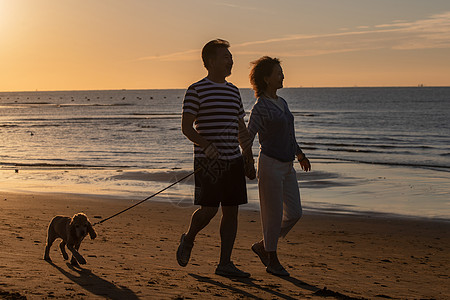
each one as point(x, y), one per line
point(245, 140)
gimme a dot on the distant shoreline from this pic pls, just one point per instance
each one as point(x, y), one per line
point(244, 88)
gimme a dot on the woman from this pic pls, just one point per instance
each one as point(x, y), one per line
point(279, 194)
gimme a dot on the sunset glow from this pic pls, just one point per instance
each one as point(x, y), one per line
point(82, 45)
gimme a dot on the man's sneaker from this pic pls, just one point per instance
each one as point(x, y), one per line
point(230, 270)
point(184, 251)
point(262, 254)
point(279, 271)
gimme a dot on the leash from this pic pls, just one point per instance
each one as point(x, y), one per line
point(149, 197)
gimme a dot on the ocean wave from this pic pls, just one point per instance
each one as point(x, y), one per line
point(303, 114)
point(436, 167)
point(162, 176)
point(93, 104)
point(339, 136)
point(348, 209)
point(157, 114)
point(11, 106)
point(354, 150)
point(30, 103)
point(98, 118)
point(44, 125)
point(6, 165)
point(373, 151)
point(370, 140)
point(369, 145)
point(16, 104)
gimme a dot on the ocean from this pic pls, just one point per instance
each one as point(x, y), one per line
point(379, 150)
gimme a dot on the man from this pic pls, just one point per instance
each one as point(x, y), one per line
point(213, 119)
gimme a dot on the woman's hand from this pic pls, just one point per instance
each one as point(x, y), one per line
point(249, 166)
point(304, 162)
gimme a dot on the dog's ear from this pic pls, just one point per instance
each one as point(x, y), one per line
point(72, 220)
point(91, 231)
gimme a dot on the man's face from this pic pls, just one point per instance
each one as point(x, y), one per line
point(222, 63)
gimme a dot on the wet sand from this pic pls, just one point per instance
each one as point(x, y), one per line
point(330, 187)
point(363, 257)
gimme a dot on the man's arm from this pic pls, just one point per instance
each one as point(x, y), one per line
point(187, 127)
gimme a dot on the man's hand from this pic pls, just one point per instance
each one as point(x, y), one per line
point(187, 122)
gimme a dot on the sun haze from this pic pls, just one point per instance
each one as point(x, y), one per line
point(83, 45)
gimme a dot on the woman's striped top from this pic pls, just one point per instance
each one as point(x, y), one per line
point(217, 107)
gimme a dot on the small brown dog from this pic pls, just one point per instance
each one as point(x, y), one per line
point(72, 231)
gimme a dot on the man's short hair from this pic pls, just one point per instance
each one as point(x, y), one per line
point(209, 50)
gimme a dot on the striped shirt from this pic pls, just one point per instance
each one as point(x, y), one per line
point(217, 107)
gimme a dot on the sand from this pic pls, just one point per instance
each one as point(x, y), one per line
point(133, 257)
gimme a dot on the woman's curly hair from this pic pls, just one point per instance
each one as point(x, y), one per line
point(262, 67)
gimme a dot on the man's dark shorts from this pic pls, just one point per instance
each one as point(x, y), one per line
point(219, 182)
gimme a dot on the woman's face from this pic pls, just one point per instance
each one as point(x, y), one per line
point(275, 80)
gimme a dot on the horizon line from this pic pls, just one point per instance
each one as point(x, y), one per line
point(287, 87)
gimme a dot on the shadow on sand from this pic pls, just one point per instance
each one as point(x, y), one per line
point(252, 283)
point(96, 285)
point(301, 284)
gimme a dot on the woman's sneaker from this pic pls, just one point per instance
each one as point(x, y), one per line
point(262, 254)
point(278, 270)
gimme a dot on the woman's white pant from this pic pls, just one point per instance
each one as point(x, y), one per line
point(279, 198)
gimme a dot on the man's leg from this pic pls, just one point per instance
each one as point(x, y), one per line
point(228, 230)
point(199, 220)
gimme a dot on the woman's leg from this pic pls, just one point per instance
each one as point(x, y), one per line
point(292, 212)
point(292, 207)
point(270, 196)
point(271, 177)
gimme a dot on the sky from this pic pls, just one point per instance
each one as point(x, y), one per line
point(151, 44)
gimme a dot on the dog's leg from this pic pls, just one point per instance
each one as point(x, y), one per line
point(51, 236)
point(74, 262)
point(76, 256)
point(62, 246)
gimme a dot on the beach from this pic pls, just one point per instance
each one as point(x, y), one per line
point(364, 256)
point(129, 112)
